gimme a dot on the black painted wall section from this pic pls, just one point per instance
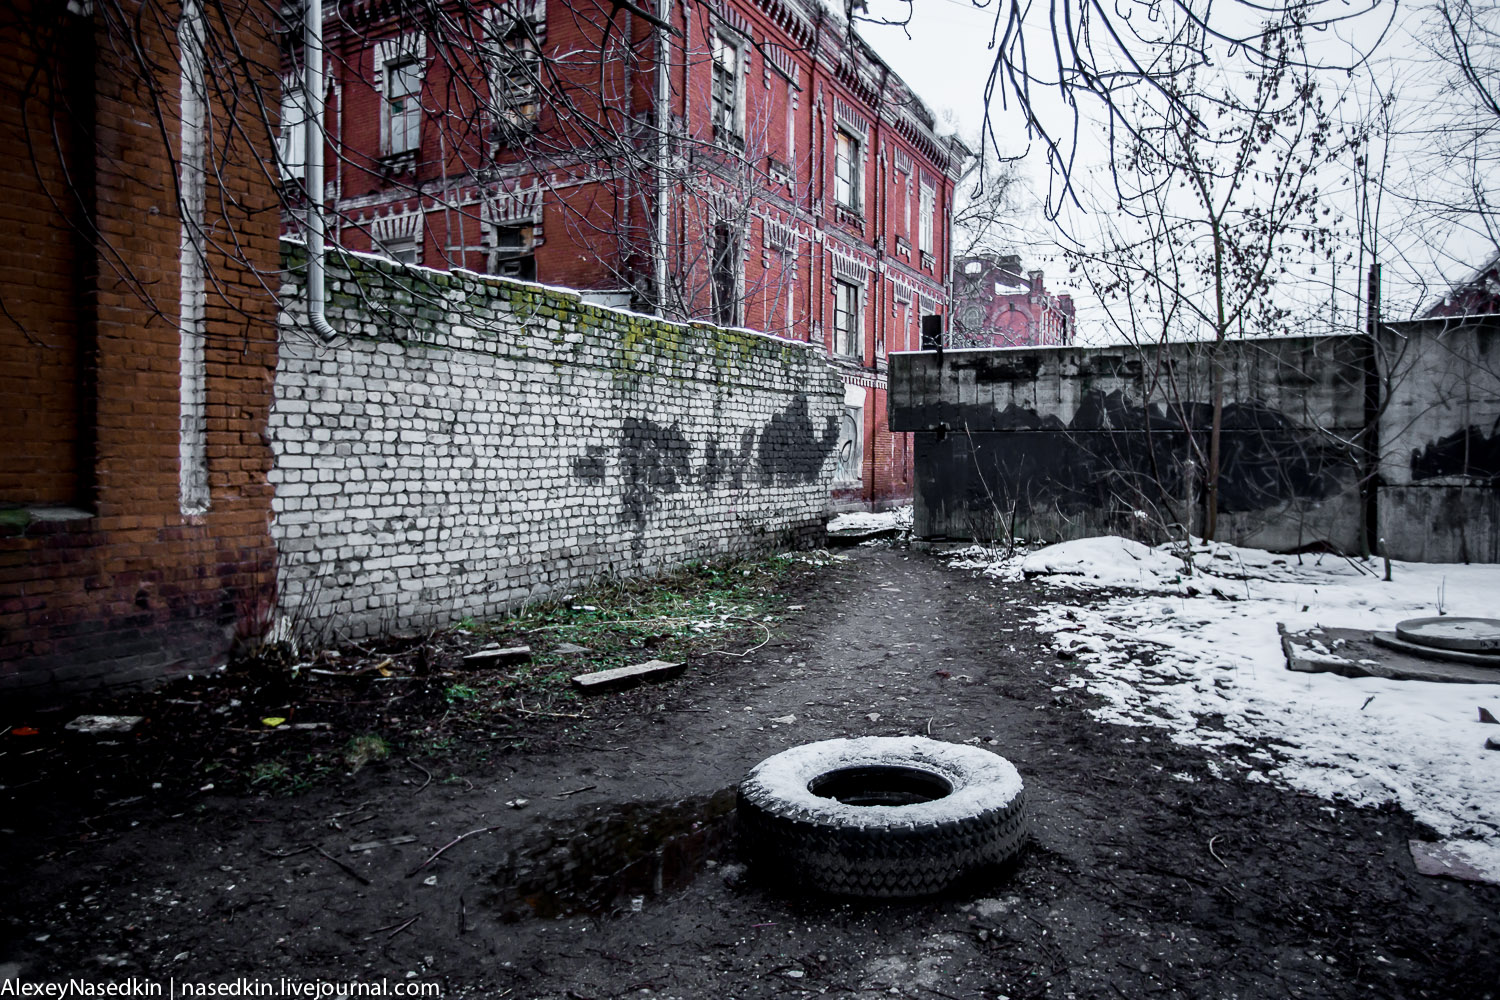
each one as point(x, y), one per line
point(657, 460)
point(1469, 453)
point(1057, 443)
point(1117, 457)
point(1060, 443)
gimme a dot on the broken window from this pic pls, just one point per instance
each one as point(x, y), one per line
point(846, 325)
point(846, 181)
point(511, 250)
point(726, 83)
point(513, 66)
point(725, 275)
point(403, 105)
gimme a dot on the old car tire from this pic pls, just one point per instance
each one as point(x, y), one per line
point(882, 816)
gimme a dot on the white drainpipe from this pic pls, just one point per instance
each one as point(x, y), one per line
point(663, 150)
point(312, 92)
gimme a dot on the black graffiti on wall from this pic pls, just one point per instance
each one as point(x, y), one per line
point(1113, 451)
point(656, 460)
point(1470, 453)
point(790, 451)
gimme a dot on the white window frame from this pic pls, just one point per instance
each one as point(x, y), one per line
point(850, 471)
point(927, 209)
point(513, 68)
point(402, 249)
point(402, 129)
point(291, 142)
point(847, 190)
point(391, 53)
point(727, 57)
point(850, 333)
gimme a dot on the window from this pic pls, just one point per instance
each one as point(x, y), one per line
point(403, 249)
point(514, 68)
point(725, 276)
point(849, 467)
point(927, 208)
point(726, 83)
point(791, 125)
point(511, 250)
point(403, 105)
point(291, 143)
point(846, 184)
point(846, 339)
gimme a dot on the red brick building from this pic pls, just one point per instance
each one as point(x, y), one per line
point(1476, 295)
point(744, 162)
point(995, 305)
point(137, 343)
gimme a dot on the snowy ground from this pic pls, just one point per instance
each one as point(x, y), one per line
point(866, 521)
point(1200, 657)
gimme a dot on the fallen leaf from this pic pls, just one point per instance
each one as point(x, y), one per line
point(273, 720)
point(24, 731)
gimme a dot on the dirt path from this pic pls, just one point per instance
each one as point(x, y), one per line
point(1148, 876)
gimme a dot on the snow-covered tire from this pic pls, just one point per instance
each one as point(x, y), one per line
point(885, 816)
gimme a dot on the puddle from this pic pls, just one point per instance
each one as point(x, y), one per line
point(597, 863)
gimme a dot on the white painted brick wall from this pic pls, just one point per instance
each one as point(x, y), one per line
point(523, 443)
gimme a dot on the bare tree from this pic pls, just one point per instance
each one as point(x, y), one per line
point(1217, 199)
point(987, 207)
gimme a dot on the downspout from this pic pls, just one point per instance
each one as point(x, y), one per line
point(663, 150)
point(312, 93)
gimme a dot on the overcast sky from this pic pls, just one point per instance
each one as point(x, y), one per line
point(947, 60)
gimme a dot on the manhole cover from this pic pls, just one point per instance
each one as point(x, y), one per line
point(1475, 635)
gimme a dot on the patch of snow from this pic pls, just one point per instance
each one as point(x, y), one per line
point(866, 521)
point(1218, 682)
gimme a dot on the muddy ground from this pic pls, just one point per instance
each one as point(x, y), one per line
point(1146, 877)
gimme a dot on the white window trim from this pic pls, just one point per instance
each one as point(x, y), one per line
point(731, 40)
point(855, 398)
point(858, 316)
point(856, 202)
point(500, 25)
point(291, 142)
point(927, 209)
point(411, 47)
point(390, 231)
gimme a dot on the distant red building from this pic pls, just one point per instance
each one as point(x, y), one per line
point(995, 305)
point(750, 163)
point(1476, 295)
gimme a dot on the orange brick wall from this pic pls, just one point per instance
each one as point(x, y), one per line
point(39, 262)
point(130, 589)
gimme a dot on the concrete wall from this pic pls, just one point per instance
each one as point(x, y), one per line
point(473, 443)
point(1067, 442)
point(1439, 495)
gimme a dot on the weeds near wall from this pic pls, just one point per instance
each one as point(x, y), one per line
point(298, 715)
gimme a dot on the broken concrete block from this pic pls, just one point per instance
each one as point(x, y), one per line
point(570, 649)
point(1485, 716)
point(620, 677)
point(95, 724)
point(494, 656)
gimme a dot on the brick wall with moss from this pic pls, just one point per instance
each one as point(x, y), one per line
point(470, 443)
